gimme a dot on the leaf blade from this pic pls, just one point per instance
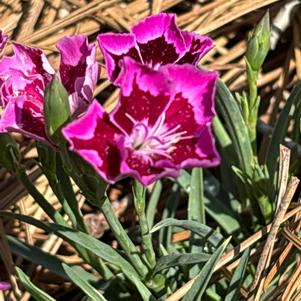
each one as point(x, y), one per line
point(83, 284)
point(37, 293)
point(201, 281)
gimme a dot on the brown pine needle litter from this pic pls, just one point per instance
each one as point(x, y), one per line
point(41, 23)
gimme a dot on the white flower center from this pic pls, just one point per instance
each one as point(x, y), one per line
point(156, 139)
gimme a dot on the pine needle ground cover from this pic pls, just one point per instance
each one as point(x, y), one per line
point(150, 150)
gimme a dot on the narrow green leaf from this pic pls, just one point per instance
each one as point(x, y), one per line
point(196, 212)
point(216, 201)
point(280, 132)
point(238, 277)
point(236, 126)
point(201, 281)
point(97, 247)
point(169, 212)
point(152, 203)
point(51, 262)
point(37, 293)
point(174, 260)
point(226, 148)
point(196, 208)
point(203, 231)
point(83, 284)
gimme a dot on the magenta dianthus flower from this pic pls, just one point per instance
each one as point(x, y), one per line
point(161, 124)
point(25, 75)
point(154, 41)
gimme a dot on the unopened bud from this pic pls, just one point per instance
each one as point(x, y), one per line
point(259, 43)
point(56, 109)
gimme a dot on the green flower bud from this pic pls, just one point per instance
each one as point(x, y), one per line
point(56, 109)
point(9, 154)
point(259, 43)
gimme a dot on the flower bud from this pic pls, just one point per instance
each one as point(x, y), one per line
point(259, 43)
point(56, 109)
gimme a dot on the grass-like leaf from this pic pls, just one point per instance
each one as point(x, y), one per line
point(202, 279)
point(37, 293)
point(203, 231)
point(152, 203)
point(83, 284)
point(173, 260)
point(280, 131)
point(97, 247)
point(216, 201)
point(169, 212)
point(196, 208)
point(236, 126)
point(51, 262)
point(238, 277)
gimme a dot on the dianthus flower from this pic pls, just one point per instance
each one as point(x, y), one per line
point(25, 75)
point(161, 124)
point(155, 41)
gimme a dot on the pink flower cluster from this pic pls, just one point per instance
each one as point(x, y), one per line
point(24, 77)
point(162, 122)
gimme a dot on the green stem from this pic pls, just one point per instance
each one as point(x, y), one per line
point(122, 237)
point(139, 202)
point(253, 100)
point(66, 191)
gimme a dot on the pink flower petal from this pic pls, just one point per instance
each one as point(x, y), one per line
point(197, 152)
point(114, 48)
point(3, 40)
point(193, 88)
point(143, 170)
point(95, 138)
point(143, 95)
point(189, 115)
point(196, 47)
point(159, 39)
point(23, 116)
point(78, 70)
point(31, 61)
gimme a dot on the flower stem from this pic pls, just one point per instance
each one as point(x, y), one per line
point(122, 237)
point(139, 202)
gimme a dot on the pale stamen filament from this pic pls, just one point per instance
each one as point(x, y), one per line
point(156, 140)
